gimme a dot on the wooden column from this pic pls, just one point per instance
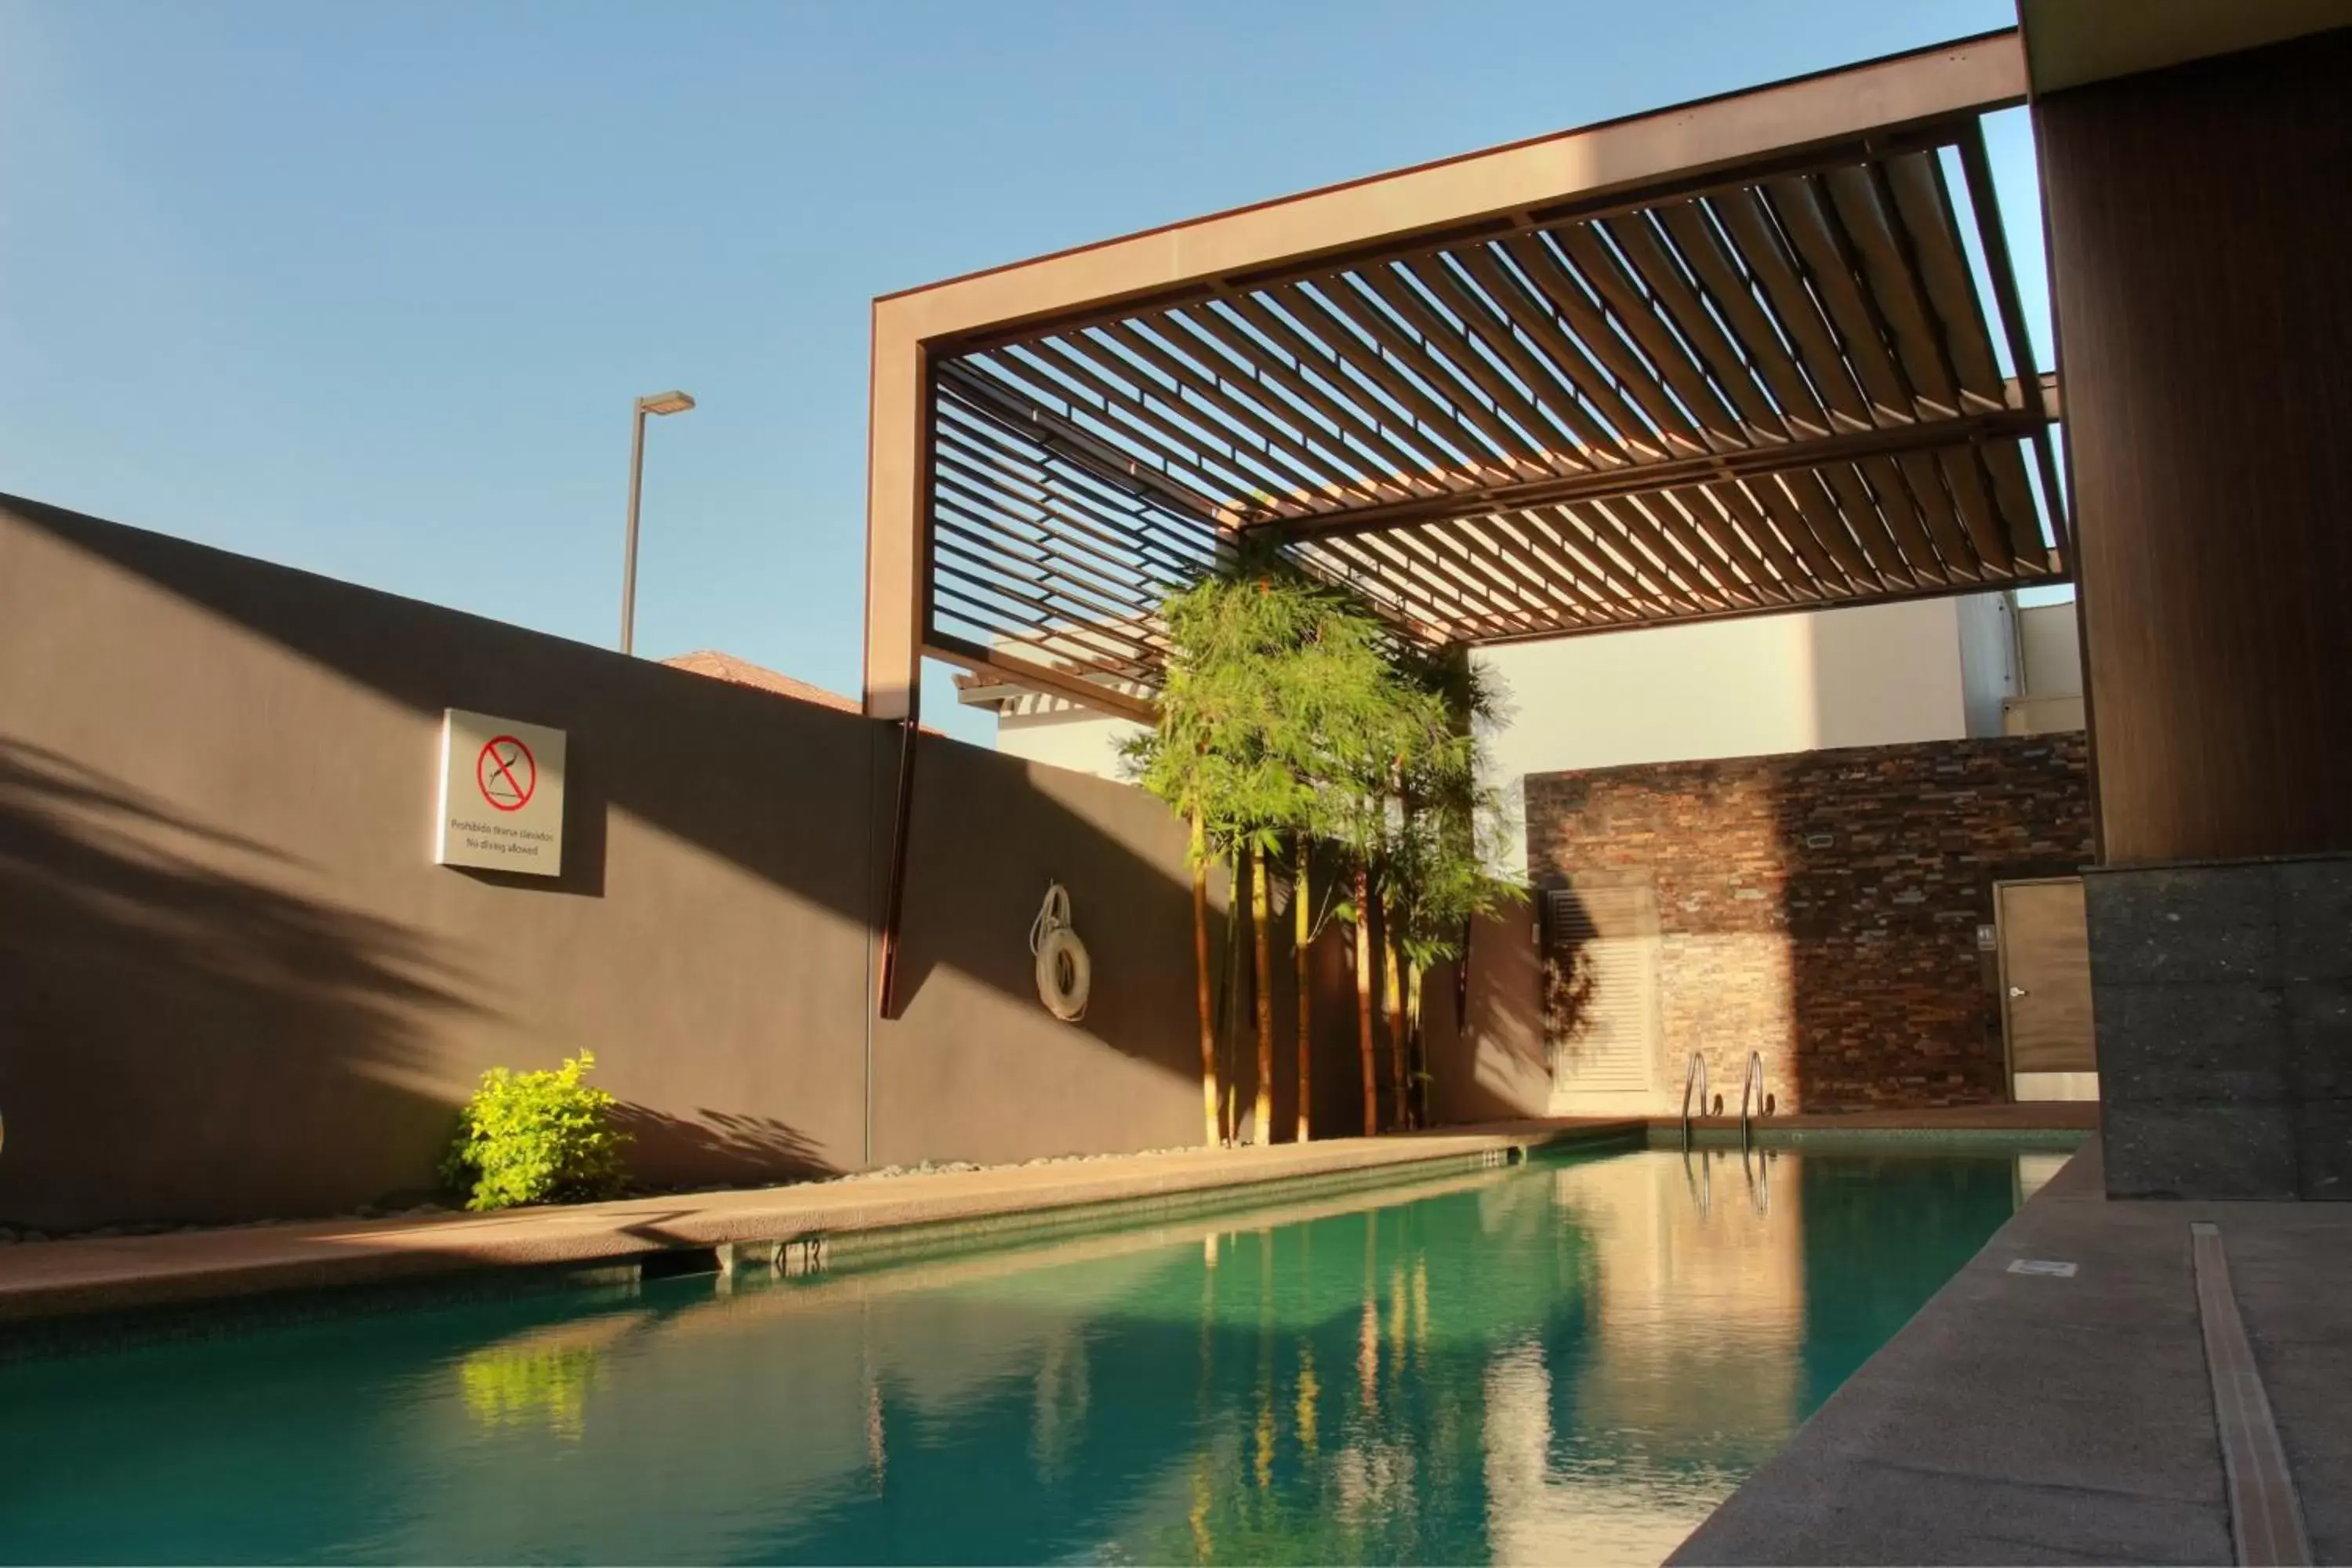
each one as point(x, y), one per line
point(2198, 218)
point(898, 466)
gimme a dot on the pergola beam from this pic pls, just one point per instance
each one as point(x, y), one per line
point(1673, 473)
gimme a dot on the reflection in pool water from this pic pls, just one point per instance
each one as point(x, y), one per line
point(1570, 1360)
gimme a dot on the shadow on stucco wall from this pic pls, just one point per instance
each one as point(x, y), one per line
point(710, 1146)
point(1492, 1059)
point(150, 998)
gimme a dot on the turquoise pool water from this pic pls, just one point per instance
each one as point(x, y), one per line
point(1570, 1360)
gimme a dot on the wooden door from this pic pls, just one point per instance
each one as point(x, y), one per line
point(1601, 984)
point(2046, 984)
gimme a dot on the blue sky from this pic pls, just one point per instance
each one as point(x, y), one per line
point(368, 289)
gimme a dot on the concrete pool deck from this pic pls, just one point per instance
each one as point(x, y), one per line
point(64, 1278)
point(2049, 1417)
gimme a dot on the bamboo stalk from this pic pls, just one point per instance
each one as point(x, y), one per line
point(1210, 1131)
point(1261, 920)
point(1303, 934)
point(1396, 1029)
point(1229, 1000)
point(1418, 1066)
point(1364, 998)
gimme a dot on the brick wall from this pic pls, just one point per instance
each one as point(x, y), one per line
point(1823, 907)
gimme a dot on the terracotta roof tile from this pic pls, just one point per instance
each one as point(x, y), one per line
point(743, 672)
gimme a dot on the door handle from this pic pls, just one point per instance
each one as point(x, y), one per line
point(2017, 991)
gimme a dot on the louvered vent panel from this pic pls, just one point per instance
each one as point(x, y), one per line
point(1605, 949)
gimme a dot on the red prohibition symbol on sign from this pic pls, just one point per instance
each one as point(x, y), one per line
point(506, 772)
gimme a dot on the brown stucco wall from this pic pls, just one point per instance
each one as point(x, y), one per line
point(233, 986)
point(963, 1073)
point(1488, 1059)
point(1823, 907)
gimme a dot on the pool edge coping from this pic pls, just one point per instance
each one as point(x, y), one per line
point(195, 1267)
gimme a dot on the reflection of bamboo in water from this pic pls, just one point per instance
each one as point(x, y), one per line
point(877, 1454)
point(1421, 1306)
point(1368, 1338)
point(1398, 1323)
point(1203, 1475)
point(1208, 1328)
point(1308, 1391)
point(1264, 1431)
point(1058, 1367)
point(1204, 1543)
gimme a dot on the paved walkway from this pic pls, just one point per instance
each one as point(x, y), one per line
point(2041, 1418)
point(48, 1280)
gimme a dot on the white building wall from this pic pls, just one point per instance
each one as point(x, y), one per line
point(1991, 672)
point(1067, 736)
point(2053, 650)
point(2050, 651)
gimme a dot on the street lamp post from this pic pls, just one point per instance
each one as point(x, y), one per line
point(659, 402)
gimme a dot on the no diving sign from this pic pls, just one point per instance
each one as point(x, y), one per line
point(506, 773)
point(501, 795)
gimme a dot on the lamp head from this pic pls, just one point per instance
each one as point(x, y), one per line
point(665, 403)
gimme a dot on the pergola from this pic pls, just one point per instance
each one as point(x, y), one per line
point(1732, 358)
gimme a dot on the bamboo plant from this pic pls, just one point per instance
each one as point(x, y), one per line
point(1292, 718)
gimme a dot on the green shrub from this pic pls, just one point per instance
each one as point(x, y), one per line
point(536, 1138)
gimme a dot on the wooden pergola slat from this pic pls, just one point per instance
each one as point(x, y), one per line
point(1568, 359)
point(1453, 346)
point(1693, 232)
point(1581, 314)
point(1671, 364)
point(1628, 578)
point(1493, 325)
point(1213, 333)
point(1692, 318)
point(1269, 455)
point(1302, 448)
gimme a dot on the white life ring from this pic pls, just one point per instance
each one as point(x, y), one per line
point(1065, 974)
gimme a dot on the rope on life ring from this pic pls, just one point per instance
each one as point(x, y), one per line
point(1065, 976)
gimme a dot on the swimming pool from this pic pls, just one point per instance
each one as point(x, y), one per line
point(1571, 1359)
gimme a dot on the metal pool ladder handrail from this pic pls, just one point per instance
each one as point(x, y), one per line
point(1752, 1085)
point(1695, 1072)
